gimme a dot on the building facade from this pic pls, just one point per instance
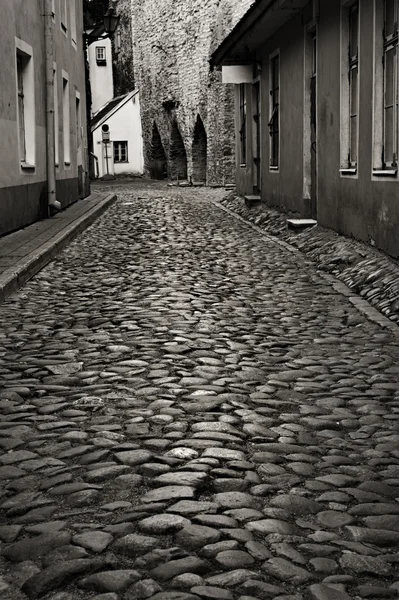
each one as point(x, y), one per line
point(117, 137)
point(101, 73)
point(316, 112)
point(24, 104)
point(187, 114)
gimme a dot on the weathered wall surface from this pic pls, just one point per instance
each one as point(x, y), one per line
point(23, 180)
point(172, 43)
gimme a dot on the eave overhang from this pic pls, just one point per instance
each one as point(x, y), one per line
point(262, 20)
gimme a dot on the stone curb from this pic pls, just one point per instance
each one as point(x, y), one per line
point(371, 313)
point(16, 276)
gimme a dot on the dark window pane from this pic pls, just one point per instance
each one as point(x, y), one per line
point(353, 30)
point(390, 17)
point(354, 90)
point(353, 139)
point(389, 135)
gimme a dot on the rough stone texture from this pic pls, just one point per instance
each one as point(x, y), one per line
point(214, 355)
point(172, 44)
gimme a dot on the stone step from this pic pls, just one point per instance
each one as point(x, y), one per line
point(301, 223)
point(252, 200)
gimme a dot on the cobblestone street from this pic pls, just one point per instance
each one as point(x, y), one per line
point(191, 412)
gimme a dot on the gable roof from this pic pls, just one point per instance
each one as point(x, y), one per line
point(109, 109)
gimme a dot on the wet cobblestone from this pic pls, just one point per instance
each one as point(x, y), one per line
point(190, 412)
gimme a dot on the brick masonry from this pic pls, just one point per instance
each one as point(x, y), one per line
point(165, 48)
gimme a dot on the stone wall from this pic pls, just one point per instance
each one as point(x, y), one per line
point(172, 44)
point(122, 49)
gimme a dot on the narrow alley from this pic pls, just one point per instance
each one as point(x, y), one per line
point(190, 412)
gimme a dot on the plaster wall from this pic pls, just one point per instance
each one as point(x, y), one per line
point(124, 125)
point(361, 206)
point(101, 76)
point(23, 190)
point(280, 188)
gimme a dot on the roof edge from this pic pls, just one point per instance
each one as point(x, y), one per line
point(240, 29)
point(125, 98)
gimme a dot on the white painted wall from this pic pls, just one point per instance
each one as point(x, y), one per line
point(124, 125)
point(101, 77)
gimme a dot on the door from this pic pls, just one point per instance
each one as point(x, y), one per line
point(256, 137)
point(313, 128)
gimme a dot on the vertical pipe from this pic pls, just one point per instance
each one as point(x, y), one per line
point(53, 204)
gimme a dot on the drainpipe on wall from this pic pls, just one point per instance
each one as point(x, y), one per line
point(53, 204)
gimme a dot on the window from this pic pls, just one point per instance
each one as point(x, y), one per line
point(274, 123)
point(66, 119)
point(25, 92)
point(63, 15)
point(349, 87)
point(243, 125)
point(120, 152)
point(21, 109)
point(56, 119)
point(386, 88)
point(390, 64)
point(118, 39)
point(73, 23)
point(78, 120)
point(101, 55)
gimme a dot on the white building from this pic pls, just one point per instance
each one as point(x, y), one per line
point(117, 137)
point(101, 74)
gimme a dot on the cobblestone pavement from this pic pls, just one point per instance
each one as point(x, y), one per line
point(190, 412)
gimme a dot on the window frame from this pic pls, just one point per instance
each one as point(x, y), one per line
point(118, 148)
point(78, 119)
point(56, 119)
point(66, 119)
point(350, 88)
point(243, 124)
point(25, 101)
point(64, 16)
point(21, 109)
point(101, 60)
point(382, 166)
point(274, 111)
point(74, 35)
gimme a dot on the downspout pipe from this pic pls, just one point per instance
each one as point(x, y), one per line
point(52, 202)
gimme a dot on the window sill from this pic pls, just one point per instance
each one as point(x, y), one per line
point(348, 171)
point(67, 163)
point(28, 166)
point(274, 169)
point(385, 172)
point(243, 165)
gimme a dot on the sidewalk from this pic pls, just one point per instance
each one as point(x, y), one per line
point(370, 276)
point(24, 252)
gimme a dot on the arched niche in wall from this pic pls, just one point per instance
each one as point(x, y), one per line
point(177, 154)
point(158, 161)
point(200, 145)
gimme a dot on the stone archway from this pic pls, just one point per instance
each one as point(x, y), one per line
point(158, 161)
point(200, 145)
point(177, 155)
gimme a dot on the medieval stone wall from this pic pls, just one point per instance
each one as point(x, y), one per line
point(181, 99)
